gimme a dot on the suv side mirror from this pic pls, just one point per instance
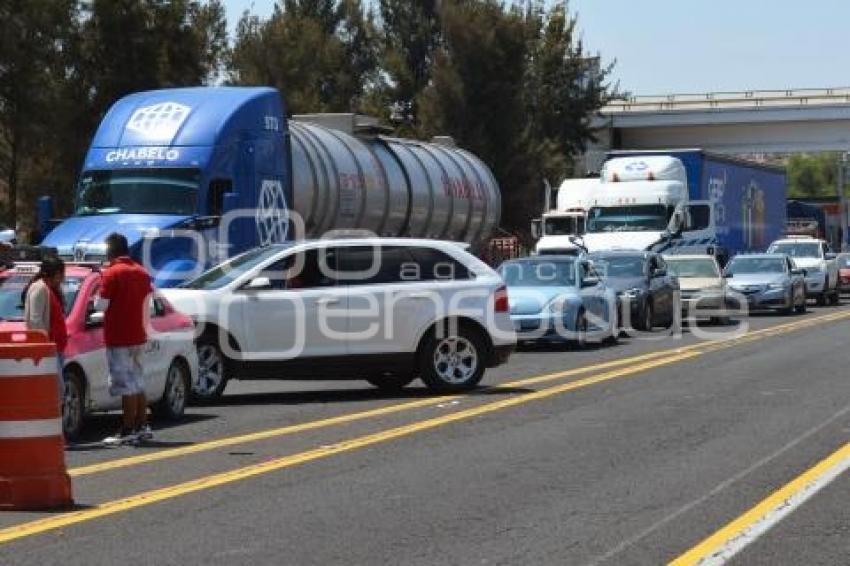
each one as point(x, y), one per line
point(798, 272)
point(258, 284)
point(590, 281)
point(660, 273)
point(830, 256)
point(727, 275)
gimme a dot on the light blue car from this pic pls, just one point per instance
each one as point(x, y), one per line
point(559, 299)
point(767, 281)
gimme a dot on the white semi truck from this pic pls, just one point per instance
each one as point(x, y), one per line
point(559, 227)
point(682, 200)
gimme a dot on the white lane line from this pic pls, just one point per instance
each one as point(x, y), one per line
point(718, 488)
point(749, 535)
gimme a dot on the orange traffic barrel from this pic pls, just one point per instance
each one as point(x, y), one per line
point(32, 449)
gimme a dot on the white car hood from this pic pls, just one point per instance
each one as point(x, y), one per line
point(601, 241)
point(808, 262)
point(190, 302)
point(548, 243)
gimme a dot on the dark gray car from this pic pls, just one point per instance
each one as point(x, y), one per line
point(647, 291)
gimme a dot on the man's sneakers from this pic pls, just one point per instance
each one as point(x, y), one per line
point(121, 438)
point(145, 434)
point(125, 437)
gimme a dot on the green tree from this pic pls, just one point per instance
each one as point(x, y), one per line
point(33, 34)
point(812, 175)
point(319, 54)
point(411, 33)
point(516, 87)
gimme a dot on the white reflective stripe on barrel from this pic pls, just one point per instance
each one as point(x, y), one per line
point(30, 429)
point(27, 366)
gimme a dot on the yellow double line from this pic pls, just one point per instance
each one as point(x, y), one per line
point(637, 365)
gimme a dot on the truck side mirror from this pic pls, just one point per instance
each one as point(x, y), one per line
point(537, 228)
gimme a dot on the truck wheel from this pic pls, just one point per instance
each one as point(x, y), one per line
point(453, 361)
point(822, 300)
point(212, 371)
point(73, 405)
point(173, 403)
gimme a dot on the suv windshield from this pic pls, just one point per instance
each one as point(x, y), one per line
point(636, 218)
point(797, 249)
point(739, 266)
point(563, 225)
point(619, 265)
point(231, 270)
point(541, 273)
point(11, 307)
point(703, 268)
point(170, 191)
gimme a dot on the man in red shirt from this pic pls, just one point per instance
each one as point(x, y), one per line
point(124, 294)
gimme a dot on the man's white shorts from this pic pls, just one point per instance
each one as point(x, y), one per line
point(126, 375)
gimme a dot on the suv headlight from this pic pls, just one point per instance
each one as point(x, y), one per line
point(776, 286)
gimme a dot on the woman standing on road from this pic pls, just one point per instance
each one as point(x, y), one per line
point(44, 309)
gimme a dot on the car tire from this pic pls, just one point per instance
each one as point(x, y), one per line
point(792, 305)
point(176, 392)
point(646, 323)
point(73, 405)
point(802, 307)
point(452, 360)
point(391, 382)
point(580, 341)
point(614, 337)
point(213, 369)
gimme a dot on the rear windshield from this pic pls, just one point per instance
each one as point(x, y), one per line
point(538, 273)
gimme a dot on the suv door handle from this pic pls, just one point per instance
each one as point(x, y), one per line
point(324, 301)
point(421, 295)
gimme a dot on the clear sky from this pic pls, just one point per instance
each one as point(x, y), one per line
point(666, 46)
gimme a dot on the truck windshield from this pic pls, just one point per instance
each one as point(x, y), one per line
point(635, 218)
point(563, 225)
point(161, 191)
point(11, 307)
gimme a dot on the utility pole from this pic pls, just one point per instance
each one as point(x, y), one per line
point(842, 200)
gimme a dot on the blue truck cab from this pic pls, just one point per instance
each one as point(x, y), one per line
point(163, 169)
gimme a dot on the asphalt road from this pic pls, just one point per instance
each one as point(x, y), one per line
point(626, 454)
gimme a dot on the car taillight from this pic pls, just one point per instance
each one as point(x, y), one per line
point(500, 300)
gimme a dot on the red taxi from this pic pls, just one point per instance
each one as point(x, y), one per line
point(170, 361)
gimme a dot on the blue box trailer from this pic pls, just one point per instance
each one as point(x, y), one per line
point(747, 200)
point(192, 176)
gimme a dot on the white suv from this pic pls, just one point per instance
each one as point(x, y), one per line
point(815, 257)
point(384, 310)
